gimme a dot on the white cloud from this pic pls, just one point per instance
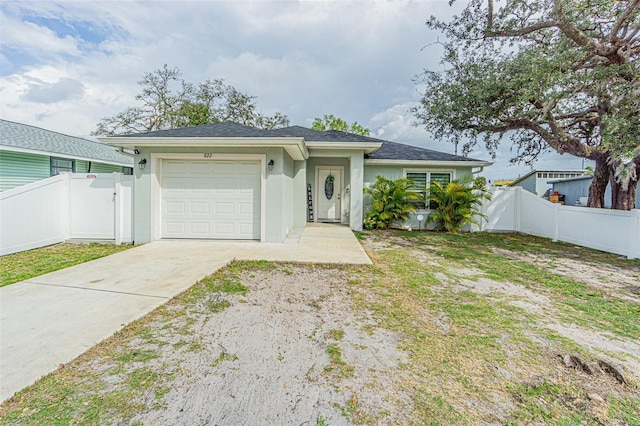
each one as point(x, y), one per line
point(62, 90)
point(34, 39)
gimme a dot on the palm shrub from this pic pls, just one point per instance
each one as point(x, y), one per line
point(392, 201)
point(456, 203)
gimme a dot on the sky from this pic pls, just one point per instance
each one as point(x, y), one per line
point(64, 65)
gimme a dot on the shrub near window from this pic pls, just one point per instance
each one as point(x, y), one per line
point(392, 201)
point(456, 202)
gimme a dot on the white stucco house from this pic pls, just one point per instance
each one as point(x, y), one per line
point(229, 181)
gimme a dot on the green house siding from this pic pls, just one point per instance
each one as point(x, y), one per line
point(105, 168)
point(17, 169)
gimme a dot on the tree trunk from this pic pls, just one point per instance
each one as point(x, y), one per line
point(621, 198)
point(599, 184)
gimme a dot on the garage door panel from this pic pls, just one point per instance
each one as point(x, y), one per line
point(175, 228)
point(200, 208)
point(200, 228)
point(176, 207)
point(245, 208)
point(211, 199)
point(224, 229)
point(223, 208)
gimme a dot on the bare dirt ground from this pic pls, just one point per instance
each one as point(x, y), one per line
point(264, 359)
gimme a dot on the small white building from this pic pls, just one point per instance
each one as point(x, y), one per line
point(538, 181)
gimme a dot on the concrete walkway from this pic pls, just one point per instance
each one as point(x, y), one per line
point(52, 319)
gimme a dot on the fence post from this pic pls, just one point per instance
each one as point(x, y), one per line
point(556, 221)
point(634, 236)
point(117, 208)
point(66, 203)
point(517, 208)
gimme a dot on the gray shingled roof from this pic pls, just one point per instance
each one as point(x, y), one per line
point(388, 150)
point(32, 138)
point(216, 130)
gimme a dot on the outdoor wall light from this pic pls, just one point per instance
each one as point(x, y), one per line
point(271, 164)
point(142, 163)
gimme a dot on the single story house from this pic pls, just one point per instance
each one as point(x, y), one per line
point(229, 181)
point(537, 181)
point(576, 191)
point(29, 153)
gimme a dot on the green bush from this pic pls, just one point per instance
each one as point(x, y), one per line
point(456, 203)
point(392, 201)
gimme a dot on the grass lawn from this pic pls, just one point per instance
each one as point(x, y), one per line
point(28, 264)
point(482, 322)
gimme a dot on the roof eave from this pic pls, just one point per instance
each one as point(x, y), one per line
point(367, 147)
point(295, 147)
point(424, 163)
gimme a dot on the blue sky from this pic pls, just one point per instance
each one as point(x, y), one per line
point(64, 65)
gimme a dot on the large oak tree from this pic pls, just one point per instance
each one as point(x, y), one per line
point(167, 101)
point(562, 74)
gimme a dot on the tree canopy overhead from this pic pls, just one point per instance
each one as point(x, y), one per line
point(331, 122)
point(553, 74)
point(167, 101)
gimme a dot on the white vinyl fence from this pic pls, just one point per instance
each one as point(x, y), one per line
point(65, 207)
point(517, 210)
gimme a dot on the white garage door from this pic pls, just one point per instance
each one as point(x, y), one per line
point(211, 199)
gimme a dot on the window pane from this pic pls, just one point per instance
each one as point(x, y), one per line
point(443, 179)
point(419, 179)
point(59, 165)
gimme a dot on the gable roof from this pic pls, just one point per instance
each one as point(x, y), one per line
point(30, 139)
point(377, 150)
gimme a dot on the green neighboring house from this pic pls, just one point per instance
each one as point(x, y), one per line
point(28, 154)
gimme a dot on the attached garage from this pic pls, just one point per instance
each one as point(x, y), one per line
point(211, 199)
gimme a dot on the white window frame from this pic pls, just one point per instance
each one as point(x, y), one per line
point(452, 174)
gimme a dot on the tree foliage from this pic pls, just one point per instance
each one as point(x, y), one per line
point(554, 74)
point(331, 122)
point(167, 101)
point(457, 203)
point(391, 201)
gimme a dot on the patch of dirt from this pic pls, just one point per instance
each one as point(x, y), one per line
point(622, 282)
point(265, 357)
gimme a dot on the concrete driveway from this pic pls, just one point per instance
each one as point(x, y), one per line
point(52, 319)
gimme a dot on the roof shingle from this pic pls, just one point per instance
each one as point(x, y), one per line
point(23, 136)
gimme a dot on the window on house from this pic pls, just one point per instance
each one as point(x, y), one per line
point(421, 180)
point(59, 165)
point(127, 171)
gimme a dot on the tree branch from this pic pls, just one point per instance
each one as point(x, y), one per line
point(621, 20)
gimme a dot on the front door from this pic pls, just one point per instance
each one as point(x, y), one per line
point(328, 194)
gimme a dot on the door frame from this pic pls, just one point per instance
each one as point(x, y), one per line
point(318, 192)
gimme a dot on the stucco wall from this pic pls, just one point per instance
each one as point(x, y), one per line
point(278, 211)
